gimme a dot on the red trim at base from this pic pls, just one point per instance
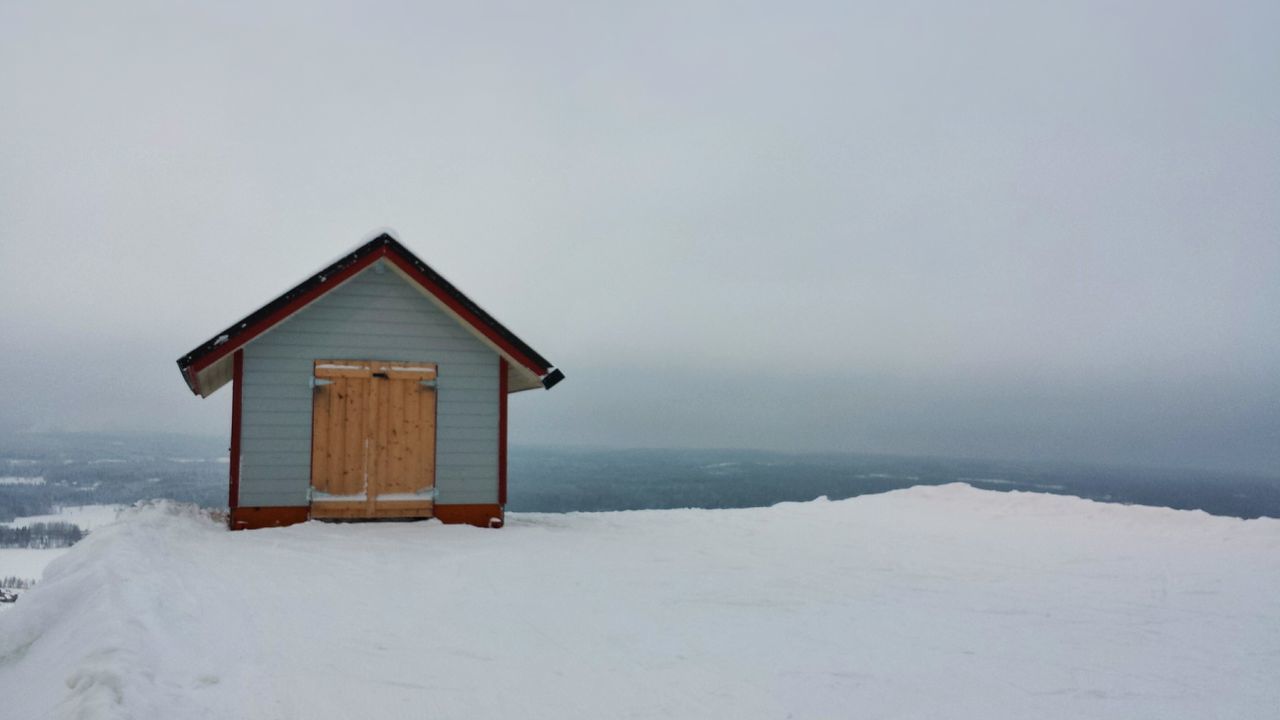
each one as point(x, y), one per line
point(237, 402)
point(478, 515)
point(252, 518)
point(502, 431)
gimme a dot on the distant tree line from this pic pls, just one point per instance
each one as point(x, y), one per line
point(41, 535)
point(114, 483)
point(15, 582)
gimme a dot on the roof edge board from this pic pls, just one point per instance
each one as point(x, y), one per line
point(517, 365)
point(443, 293)
point(268, 315)
point(435, 285)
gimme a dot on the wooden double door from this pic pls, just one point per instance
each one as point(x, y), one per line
point(373, 439)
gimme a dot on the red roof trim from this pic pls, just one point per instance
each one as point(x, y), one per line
point(237, 406)
point(309, 290)
point(466, 314)
point(266, 323)
point(502, 431)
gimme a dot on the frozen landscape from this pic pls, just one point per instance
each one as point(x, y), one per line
point(87, 517)
point(27, 563)
point(929, 602)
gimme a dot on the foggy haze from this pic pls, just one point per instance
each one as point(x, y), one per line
point(920, 228)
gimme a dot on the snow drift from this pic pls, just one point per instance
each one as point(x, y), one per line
point(929, 602)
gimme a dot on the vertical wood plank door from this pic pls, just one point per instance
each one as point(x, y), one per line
point(403, 441)
point(373, 439)
point(338, 429)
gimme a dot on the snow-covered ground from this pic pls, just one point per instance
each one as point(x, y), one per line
point(88, 517)
point(26, 564)
point(922, 603)
point(21, 480)
point(29, 563)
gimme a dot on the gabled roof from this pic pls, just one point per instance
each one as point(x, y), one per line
point(208, 367)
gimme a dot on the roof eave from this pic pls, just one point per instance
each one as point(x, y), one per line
point(223, 345)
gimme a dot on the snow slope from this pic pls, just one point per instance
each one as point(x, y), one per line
point(922, 603)
point(29, 563)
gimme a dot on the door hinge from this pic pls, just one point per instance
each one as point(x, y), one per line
point(320, 382)
point(427, 383)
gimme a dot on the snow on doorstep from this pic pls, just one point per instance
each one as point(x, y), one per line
point(321, 496)
point(923, 603)
point(11, 480)
point(427, 494)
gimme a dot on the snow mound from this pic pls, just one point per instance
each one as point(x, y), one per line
point(929, 602)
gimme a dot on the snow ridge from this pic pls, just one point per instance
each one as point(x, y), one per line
point(930, 602)
point(101, 611)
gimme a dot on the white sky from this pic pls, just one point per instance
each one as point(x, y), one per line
point(1009, 231)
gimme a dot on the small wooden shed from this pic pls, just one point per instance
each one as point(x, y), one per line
point(372, 389)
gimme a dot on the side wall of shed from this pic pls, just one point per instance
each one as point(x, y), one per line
point(375, 315)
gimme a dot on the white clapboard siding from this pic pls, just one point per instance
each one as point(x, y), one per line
point(373, 316)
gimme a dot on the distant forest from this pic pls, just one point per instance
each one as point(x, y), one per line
point(101, 469)
point(41, 535)
point(86, 469)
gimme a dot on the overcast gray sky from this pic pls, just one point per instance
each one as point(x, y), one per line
point(1026, 230)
